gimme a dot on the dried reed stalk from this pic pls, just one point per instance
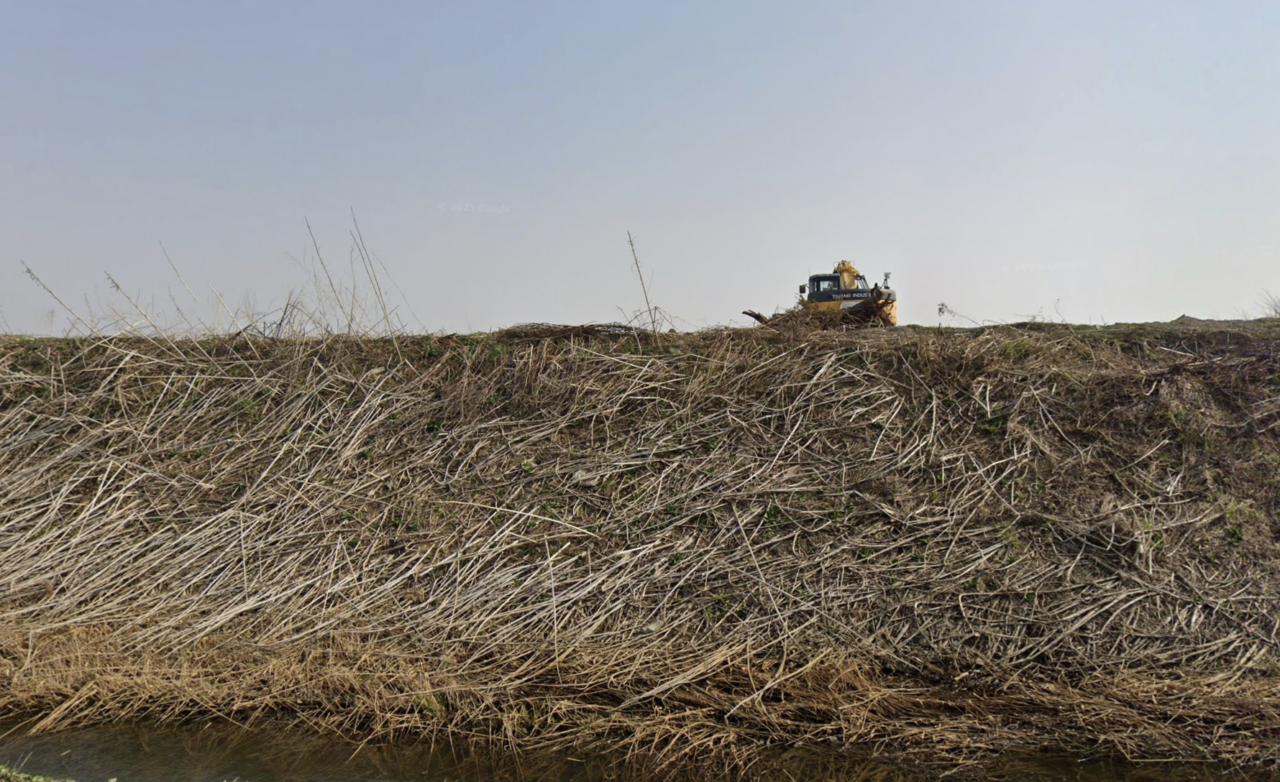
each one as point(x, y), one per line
point(933, 545)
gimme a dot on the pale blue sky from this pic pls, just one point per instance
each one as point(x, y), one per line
point(1098, 161)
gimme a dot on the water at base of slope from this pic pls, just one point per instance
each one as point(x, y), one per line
point(279, 753)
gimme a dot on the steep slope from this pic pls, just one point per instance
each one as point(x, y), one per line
point(937, 544)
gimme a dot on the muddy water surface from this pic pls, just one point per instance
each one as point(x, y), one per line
point(281, 754)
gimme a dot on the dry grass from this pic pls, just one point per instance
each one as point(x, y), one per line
point(1270, 305)
point(931, 545)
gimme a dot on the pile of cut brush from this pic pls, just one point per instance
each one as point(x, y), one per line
point(799, 319)
point(931, 545)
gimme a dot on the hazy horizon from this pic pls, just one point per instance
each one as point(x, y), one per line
point(1083, 161)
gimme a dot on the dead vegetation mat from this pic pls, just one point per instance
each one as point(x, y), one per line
point(933, 546)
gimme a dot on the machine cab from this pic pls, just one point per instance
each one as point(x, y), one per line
point(822, 283)
point(835, 287)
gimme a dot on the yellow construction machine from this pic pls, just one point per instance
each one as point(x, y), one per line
point(845, 297)
point(846, 291)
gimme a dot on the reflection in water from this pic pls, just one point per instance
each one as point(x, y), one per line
point(277, 753)
point(216, 754)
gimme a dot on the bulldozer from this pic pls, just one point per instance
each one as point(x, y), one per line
point(845, 297)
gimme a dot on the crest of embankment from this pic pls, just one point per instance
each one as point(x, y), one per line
point(937, 544)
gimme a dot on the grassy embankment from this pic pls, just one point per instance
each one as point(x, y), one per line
point(937, 545)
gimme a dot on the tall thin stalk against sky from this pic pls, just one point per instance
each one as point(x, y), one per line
point(644, 286)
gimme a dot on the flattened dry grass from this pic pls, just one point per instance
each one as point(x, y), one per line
point(934, 546)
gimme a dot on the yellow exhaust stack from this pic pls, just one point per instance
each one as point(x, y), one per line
point(848, 275)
